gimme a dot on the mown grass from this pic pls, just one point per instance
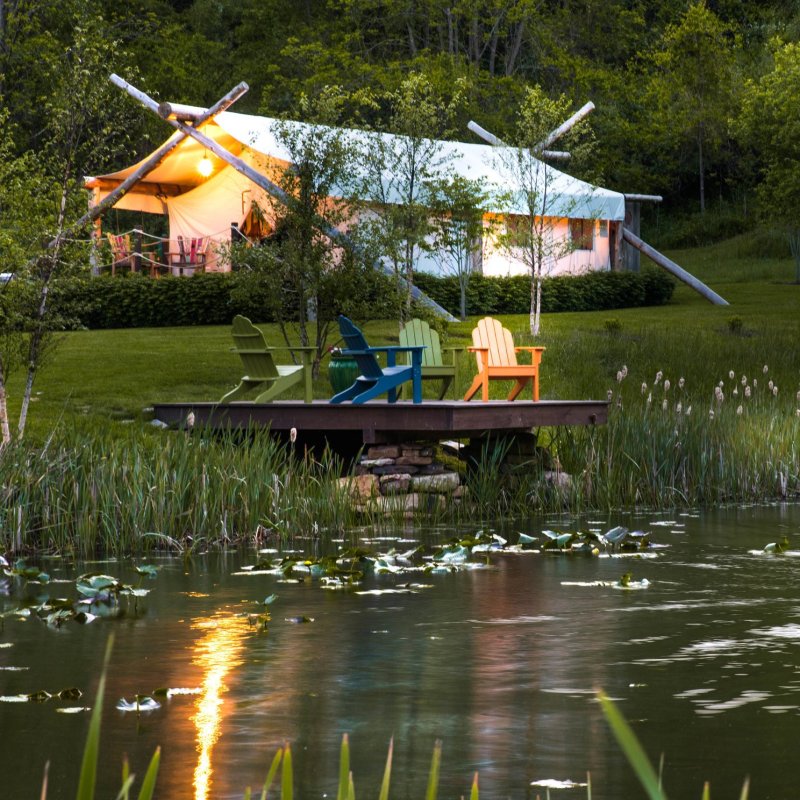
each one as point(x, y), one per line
point(106, 479)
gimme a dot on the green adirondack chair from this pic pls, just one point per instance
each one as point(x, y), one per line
point(263, 374)
point(418, 332)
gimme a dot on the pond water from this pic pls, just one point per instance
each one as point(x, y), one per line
point(500, 663)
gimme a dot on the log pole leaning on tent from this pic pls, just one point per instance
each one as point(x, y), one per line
point(559, 155)
point(150, 164)
point(265, 183)
point(672, 267)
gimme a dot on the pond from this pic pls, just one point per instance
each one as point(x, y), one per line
point(499, 662)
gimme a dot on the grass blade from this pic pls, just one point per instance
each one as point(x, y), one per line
point(271, 774)
point(433, 777)
point(473, 794)
point(88, 774)
point(43, 795)
point(286, 774)
point(627, 740)
point(149, 782)
point(706, 791)
point(125, 788)
point(745, 789)
point(387, 773)
point(344, 768)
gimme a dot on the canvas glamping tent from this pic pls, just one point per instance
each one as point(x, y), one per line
point(204, 206)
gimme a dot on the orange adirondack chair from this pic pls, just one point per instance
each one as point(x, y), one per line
point(497, 360)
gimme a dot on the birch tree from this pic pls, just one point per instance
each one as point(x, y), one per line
point(534, 202)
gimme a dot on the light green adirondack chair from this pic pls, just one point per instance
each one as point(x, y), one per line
point(263, 373)
point(418, 332)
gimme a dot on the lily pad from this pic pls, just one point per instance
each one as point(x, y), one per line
point(140, 703)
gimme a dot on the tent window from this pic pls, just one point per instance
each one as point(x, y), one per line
point(581, 232)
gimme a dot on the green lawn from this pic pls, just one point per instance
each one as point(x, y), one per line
point(101, 375)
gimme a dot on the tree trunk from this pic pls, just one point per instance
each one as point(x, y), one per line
point(5, 431)
point(701, 167)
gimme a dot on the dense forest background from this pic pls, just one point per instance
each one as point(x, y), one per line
point(695, 101)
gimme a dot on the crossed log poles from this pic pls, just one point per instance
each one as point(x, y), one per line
point(186, 120)
point(627, 235)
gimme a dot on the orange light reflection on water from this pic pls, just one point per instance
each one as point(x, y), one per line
point(217, 652)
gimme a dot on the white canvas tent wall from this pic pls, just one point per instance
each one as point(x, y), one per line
point(205, 207)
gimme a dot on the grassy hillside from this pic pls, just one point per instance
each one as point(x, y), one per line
point(100, 375)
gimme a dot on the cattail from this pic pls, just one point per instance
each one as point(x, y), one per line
point(688, 411)
point(731, 374)
point(624, 371)
point(735, 392)
point(739, 410)
point(649, 398)
point(755, 383)
point(293, 435)
point(644, 389)
point(666, 385)
point(664, 404)
point(747, 391)
point(774, 391)
point(744, 380)
point(681, 383)
point(766, 369)
point(678, 407)
point(770, 385)
point(711, 413)
point(659, 376)
point(609, 395)
point(620, 376)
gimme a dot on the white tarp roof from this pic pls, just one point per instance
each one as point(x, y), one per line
point(567, 196)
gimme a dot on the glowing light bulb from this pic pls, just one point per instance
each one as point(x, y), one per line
point(205, 167)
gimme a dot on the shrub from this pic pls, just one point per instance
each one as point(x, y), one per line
point(592, 291)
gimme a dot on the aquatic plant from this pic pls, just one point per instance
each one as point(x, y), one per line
point(637, 758)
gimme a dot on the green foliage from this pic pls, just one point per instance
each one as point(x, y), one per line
point(691, 91)
point(594, 291)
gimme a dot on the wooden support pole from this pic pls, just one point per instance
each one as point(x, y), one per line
point(558, 155)
point(266, 184)
point(150, 164)
point(582, 112)
point(680, 273)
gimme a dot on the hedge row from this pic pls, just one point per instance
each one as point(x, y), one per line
point(211, 299)
point(593, 291)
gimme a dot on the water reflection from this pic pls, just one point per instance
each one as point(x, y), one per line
point(216, 652)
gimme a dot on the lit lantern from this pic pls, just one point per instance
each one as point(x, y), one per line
point(205, 167)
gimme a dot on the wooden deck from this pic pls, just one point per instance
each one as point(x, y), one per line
point(348, 427)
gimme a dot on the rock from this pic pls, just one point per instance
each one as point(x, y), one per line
point(444, 483)
point(360, 487)
point(396, 483)
point(383, 451)
point(393, 469)
point(416, 460)
point(157, 423)
point(376, 462)
point(411, 450)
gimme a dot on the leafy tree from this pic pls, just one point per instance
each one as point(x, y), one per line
point(531, 236)
point(80, 125)
point(458, 229)
point(691, 92)
point(305, 275)
point(769, 126)
point(399, 175)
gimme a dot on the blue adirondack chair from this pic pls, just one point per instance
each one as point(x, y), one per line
point(375, 380)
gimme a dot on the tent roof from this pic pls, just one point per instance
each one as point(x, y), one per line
point(568, 196)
